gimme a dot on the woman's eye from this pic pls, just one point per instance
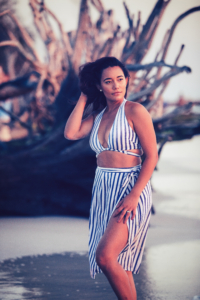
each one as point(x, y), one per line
point(107, 82)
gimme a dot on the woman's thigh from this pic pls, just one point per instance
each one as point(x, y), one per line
point(114, 239)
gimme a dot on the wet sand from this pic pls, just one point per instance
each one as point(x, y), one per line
point(170, 268)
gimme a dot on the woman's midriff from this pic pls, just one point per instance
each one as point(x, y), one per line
point(114, 159)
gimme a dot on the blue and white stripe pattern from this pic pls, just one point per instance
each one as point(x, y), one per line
point(110, 186)
point(121, 137)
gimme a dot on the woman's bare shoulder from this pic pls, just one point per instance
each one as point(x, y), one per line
point(136, 110)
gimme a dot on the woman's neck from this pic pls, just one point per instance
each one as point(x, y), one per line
point(113, 105)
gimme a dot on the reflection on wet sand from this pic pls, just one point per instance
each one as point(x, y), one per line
point(12, 288)
point(175, 269)
point(168, 271)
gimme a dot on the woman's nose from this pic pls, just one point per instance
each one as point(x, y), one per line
point(115, 84)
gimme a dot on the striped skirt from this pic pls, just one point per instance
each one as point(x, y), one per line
point(110, 186)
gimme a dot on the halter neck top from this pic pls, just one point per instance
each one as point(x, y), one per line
point(121, 136)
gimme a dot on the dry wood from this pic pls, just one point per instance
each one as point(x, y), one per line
point(103, 39)
point(158, 82)
point(81, 36)
point(181, 17)
point(138, 52)
point(13, 116)
point(45, 155)
point(98, 5)
point(177, 111)
point(165, 83)
point(19, 86)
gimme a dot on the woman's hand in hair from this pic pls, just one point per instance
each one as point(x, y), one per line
point(76, 128)
point(83, 97)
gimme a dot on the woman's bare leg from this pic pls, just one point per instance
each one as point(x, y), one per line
point(111, 244)
point(132, 284)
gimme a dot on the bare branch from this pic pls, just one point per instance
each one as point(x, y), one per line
point(106, 50)
point(179, 54)
point(19, 86)
point(165, 84)
point(158, 83)
point(26, 55)
point(137, 67)
point(26, 37)
point(170, 33)
point(136, 29)
point(182, 16)
point(146, 37)
point(131, 28)
point(83, 27)
point(14, 117)
point(98, 5)
point(64, 35)
point(179, 110)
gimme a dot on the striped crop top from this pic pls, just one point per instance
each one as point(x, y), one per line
point(121, 136)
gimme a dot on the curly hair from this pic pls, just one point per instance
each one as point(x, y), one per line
point(90, 76)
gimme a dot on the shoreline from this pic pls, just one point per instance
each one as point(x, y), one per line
point(33, 236)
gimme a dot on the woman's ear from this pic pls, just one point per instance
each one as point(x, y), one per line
point(126, 80)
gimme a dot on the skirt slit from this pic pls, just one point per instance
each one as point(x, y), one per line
point(110, 186)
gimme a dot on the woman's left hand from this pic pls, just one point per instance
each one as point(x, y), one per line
point(125, 207)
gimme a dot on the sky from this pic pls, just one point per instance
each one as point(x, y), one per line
point(186, 33)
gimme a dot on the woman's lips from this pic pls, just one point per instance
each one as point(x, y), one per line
point(116, 93)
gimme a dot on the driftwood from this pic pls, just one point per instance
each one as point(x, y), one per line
point(45, 172)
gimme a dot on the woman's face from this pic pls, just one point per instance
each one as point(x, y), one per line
point(113, 83)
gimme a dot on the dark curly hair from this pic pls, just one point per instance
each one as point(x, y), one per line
point(90, 76)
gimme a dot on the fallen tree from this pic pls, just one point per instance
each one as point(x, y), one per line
point(43, 173)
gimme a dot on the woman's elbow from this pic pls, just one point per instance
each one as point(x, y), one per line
point(156, 156)
point(68, 136)
point(153, 157)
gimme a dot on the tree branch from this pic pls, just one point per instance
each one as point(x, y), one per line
point(64, 36)
point(157, 83)
point(137, 67)
point(19, 86)
point(83, 27)
point(98, 5)
point(26, 55)
point(146, 37)
point(182, 16)
point(177, 111)
point(14, 117)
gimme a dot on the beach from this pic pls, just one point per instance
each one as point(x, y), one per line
point(47, 258)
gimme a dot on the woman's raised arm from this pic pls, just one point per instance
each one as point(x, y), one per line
point(75, 128)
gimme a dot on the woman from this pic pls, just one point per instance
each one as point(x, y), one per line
point(121, 196)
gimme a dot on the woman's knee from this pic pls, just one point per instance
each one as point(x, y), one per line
point(103, 259)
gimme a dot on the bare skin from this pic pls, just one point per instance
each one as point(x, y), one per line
point(113, 85)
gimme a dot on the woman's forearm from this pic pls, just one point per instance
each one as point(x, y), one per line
point(144, 176)
point(130, 202)
point(73, 124)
